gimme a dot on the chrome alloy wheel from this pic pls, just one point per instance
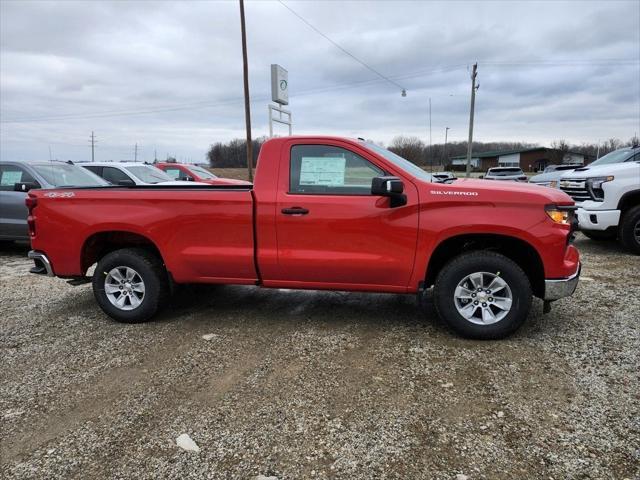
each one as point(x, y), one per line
point(636, 231)
point(483, 298)
point(124, 288)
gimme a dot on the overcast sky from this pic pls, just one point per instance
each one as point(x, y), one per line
point(168, 75)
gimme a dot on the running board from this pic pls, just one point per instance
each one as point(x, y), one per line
point(74, 282)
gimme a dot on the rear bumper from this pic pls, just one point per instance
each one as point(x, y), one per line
point(597, 219)
point(564, 287)
point(42, 264)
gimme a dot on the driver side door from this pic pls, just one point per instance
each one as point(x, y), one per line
point(332, 232)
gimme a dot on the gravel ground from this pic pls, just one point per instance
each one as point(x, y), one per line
point(318, 385)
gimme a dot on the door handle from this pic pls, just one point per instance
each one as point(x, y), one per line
point(295, 211)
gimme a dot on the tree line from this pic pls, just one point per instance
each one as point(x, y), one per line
point(234, 153)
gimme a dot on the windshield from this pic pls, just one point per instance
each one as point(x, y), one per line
point(64, 175)
point(400, 162)
point(149, 174)
point(617, 156)
point(201, 172)
point(504, 171)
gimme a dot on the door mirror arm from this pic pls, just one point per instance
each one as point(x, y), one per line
point(24, 186)
point(389, 186)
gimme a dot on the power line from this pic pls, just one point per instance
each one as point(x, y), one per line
point(342, 49)
point(213, 103)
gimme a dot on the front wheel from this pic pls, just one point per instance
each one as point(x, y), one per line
point(130, 285)
point(630, 230)
point(482, 295)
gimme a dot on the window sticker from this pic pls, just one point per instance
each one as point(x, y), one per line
point(327, 171)
point(10, 177)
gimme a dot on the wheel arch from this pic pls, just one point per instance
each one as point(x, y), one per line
point(99, 244)
point(629, 200)
point(521, 252)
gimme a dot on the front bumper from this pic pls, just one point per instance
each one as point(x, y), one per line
point(597, 219)
point(42, 263)
point(563, 287)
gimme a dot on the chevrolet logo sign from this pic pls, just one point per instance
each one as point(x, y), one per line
point(570, 184)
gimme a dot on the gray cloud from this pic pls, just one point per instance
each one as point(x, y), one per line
point(70, 67)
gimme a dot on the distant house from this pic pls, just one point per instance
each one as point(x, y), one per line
point(529, 159)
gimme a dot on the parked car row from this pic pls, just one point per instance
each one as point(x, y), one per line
point(16, 178)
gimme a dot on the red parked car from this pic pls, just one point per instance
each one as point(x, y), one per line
point(323, 213)
point(195, 173)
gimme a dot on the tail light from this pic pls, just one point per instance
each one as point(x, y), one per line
point(31, 202)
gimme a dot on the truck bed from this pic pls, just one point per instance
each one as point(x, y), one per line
point(205, 233)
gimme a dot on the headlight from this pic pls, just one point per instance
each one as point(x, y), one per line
point(553, 184)
point(594, 184)
point(560, 216)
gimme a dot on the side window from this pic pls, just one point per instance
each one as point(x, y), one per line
point(11, 174)
point(175, 173)
point(323, 169)
point(94, 169)
point(113, 175)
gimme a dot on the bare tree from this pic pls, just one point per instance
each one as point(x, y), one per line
point(411, 148)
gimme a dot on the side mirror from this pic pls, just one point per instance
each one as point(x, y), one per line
point(24, 186)
point(126, 183)
point(391, 187)
point(189, 178)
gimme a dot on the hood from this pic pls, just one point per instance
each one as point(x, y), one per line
point(491, 191)
point(549, 176)
point(602, 170)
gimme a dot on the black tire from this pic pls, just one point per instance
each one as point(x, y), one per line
point(600, 235)
point(630, 230)
point(149, 269)
point(497, 265)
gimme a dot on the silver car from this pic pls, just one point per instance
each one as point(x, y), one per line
point(551, 175)
point(128, 174)
point(506, 173)
point(17, 178)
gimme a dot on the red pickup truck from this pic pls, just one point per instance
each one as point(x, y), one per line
point(195, 173)
point(323, 213)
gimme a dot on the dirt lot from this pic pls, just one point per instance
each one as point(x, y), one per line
point(318, 385)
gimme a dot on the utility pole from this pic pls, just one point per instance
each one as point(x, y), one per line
point(474, 74)
point(155, 155)
point(93, 145)
point(444, 150)
point(430, 150)
point(135, 153)
point(247, 106)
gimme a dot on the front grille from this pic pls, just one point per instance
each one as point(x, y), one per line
point(576, 189)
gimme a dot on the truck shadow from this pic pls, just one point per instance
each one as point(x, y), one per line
point(223, 303)
point(14, 248)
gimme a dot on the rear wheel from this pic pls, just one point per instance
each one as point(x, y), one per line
point(600, 234)
point(130, 285)
point(482, 295)
point(630, 230)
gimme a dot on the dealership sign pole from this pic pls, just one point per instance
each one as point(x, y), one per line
point(279, 95)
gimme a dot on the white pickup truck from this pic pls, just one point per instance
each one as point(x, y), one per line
point(607, 194)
